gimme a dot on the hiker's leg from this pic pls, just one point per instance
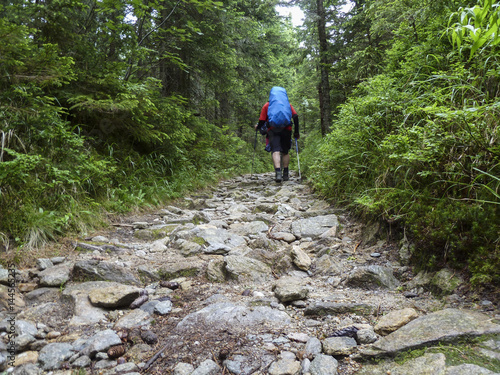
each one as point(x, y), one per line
point(277, 159)
point(275, 142)
point(286, 160)
point(285, 145)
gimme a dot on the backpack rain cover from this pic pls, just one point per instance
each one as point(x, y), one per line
point(279, 112)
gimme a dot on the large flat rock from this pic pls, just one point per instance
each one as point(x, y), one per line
point(210, 235)
point(430, 363)
point(236, 317)
point(84, 313)
point(244, 268)
point(372, 276)
point(445, 326)
point(314, 226)
point(103, 271)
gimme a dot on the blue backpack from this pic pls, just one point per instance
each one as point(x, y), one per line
point(279, 113)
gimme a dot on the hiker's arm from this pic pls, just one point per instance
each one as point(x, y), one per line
point(295, 119)
point(263, 116)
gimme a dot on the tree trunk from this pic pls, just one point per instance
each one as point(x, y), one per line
point(324, 84)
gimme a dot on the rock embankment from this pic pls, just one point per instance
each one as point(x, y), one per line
point(251, 277)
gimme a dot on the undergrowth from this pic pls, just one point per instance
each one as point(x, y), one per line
point(418, 147)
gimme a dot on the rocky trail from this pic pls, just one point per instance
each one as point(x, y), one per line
point(249, 277)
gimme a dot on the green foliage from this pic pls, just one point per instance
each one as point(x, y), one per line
point(476, 26)
point(115, 106)
point(418, 145)
point(418, 166)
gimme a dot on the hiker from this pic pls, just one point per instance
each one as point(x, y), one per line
point(275, 121)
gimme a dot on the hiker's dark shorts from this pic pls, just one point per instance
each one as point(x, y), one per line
point(280, 140)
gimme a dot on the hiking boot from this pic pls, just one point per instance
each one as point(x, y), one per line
point(278, 176)
point(285, 176)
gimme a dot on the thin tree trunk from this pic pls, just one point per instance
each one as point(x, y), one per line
point(324, 84)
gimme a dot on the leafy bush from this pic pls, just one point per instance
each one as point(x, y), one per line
point(413, 158)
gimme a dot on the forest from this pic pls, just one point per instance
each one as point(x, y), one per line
point(113, 106)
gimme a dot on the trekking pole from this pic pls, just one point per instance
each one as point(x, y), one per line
point(253, 157)
point(298, 159)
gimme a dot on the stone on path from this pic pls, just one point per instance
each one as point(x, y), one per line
point(24, 327)
point(245, 229)
point(27, 287)
point(210, 235)
point(207, 367)
point(445, 326)
point(323, 365)
point(41, 295)
point(339, 345)
point(53, 355)
point(183, 369)
point(299, 337)
point(172, 269)
point(394, 320)
point(238, 209)
point(314, 226)
point(285, 367)
point(334, 308)
point(163, 307)
point(129, 368)
point(372, 277)
point(284, 236)
point(269, 208)
point(100, 342)
point(135, 318)
point(114, 296)
point(300, 258)
point(103, 271)
point(327, 265)
point(366, 336)
point(216, 270)
point(248, 364)
point(50, 313)
point(84, 313)
point(26, 357)
point(83, 361)
point(43, 263)
point(430, 363)
point(244, 268)
point(313, 347)
point(421, 280)
point(27, 369)
point(289, 288)
point(468, 369)
point(318, 206)
point(228, 315)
